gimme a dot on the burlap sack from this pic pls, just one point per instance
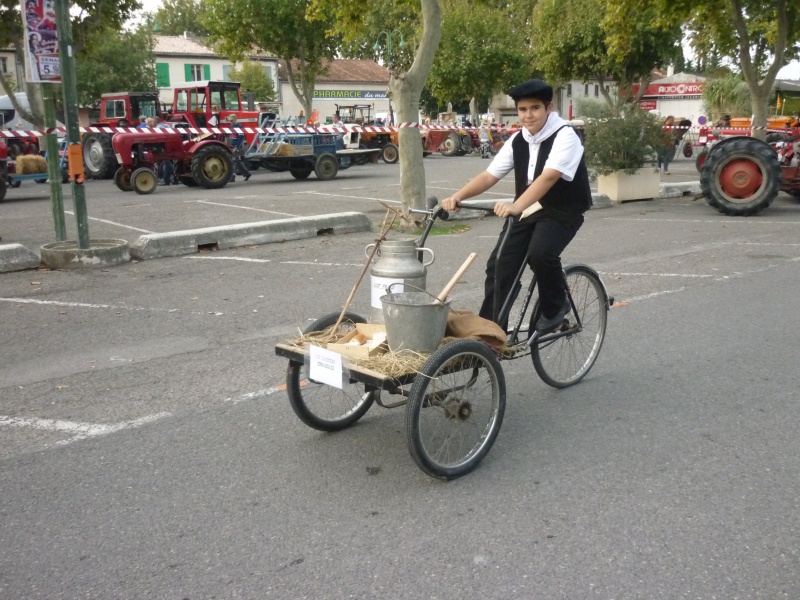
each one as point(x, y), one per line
point(466, 324)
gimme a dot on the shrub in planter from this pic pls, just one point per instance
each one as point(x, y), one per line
point(622, 142)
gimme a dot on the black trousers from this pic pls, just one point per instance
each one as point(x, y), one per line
point(541, 243)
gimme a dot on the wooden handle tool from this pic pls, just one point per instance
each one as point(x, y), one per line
point(452, 283)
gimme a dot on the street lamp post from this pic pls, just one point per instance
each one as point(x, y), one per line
point(377, 48)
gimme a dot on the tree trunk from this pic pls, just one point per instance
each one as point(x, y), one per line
point(303, 89)
point(405, 90)
point(473, 110)
point(759, 99)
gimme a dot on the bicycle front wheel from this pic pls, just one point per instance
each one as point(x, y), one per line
point(566, 360)
point(455, 409)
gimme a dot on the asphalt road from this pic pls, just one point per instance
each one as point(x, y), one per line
point(148, 450)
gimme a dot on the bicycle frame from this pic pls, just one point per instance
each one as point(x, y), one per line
point(514, 341)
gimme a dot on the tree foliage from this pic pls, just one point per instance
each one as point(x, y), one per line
point(177, 17)
point(571, 41)
point(113, 61)
point(350, 20)
point(726, 94)
point(254, 77)
point(279, 27)
point(758, 37)
point(623, 141)
point(479, 55)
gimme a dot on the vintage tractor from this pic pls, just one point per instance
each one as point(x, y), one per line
point(116, 110)
point(202, 160)
point(358, 115)
point(742, 176)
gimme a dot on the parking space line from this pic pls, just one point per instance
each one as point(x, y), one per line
point(272, 212)
point(730, 221)
point(689, 275)
point(69, 212)
point(344, 196)
point(263, 393)
point(81, 431)
point(106, 306)
point(239, 258)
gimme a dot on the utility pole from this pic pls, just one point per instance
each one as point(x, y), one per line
point(74, 153)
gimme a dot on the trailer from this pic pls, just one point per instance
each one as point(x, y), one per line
point(9, 178)
point(303, 153)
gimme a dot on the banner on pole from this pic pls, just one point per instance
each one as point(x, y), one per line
point(42, 62)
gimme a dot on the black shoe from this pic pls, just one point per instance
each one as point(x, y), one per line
point(247, 177)
point(544, 324)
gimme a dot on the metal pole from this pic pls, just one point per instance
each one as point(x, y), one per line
point(71, 117)
point(53, 163)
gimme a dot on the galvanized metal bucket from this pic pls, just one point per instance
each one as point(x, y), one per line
point(414, 321)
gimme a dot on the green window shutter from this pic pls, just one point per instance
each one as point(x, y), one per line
point(162, 75)
point(187, 68)
point(207, 72)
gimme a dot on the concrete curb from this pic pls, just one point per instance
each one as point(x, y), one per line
point(16, 257)
point(178, 243)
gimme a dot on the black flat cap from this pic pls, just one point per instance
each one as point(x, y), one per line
point(533, 88)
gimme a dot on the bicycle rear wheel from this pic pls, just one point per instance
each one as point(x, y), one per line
point(322, 406)
point(455, 409)
point(566, 360)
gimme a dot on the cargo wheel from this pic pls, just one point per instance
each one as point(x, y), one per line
point(327, 167)
point(451, 145)
point(301, 173)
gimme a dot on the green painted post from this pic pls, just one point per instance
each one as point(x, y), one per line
point(71, 114)
point(53, 164)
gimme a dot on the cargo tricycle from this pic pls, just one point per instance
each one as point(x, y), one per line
point(456, 400)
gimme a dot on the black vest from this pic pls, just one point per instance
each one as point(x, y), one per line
point(566, 200)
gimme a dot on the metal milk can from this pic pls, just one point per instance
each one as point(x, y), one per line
point(399, 263)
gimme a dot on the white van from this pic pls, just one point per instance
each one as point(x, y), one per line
point(9, 118)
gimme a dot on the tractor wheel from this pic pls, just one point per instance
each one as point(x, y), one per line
point(327, 167)
point(687, 150)
point(700, 160)
point(450, 145)
point(390, 154)
point(122, 179)
point(2, 189)
point(741, 177)
point(212, 167)
point(144, 181)
point(98, 156)
point(775, 137)
point(467, 146)
point(15, 149)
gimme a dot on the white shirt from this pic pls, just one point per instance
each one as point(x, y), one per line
point(213, 121)
point(565, 156)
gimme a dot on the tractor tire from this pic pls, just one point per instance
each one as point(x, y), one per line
point(390, 154)
point(144, 181)
point(327, 167)
point(700, 160)
point(122, 179)
point(98, 156)
point(467, 147)
point(212, 167)
point(451, 145)
point(741, 177)
point(687, 150)
point(15, 149)
point(775, 137)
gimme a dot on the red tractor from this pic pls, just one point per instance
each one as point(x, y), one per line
point(742, 176)
point(194, 102)
point(116, 110)
point(202, 160)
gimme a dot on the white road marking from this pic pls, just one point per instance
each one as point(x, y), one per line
point(69, 212)
point(272, 212)
point(726, 223)
point(239, 258)
point(344, 196)
point(109, 306)
point(315, 263)
point(353, 188)
point(691, 275)
point(254, 395)
point(458, 188)
point(652, 295)
point(81, 431)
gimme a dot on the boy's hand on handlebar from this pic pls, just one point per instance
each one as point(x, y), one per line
point(451, 204)
point(505, 209)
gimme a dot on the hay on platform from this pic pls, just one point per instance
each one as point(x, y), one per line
point(30, 164)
